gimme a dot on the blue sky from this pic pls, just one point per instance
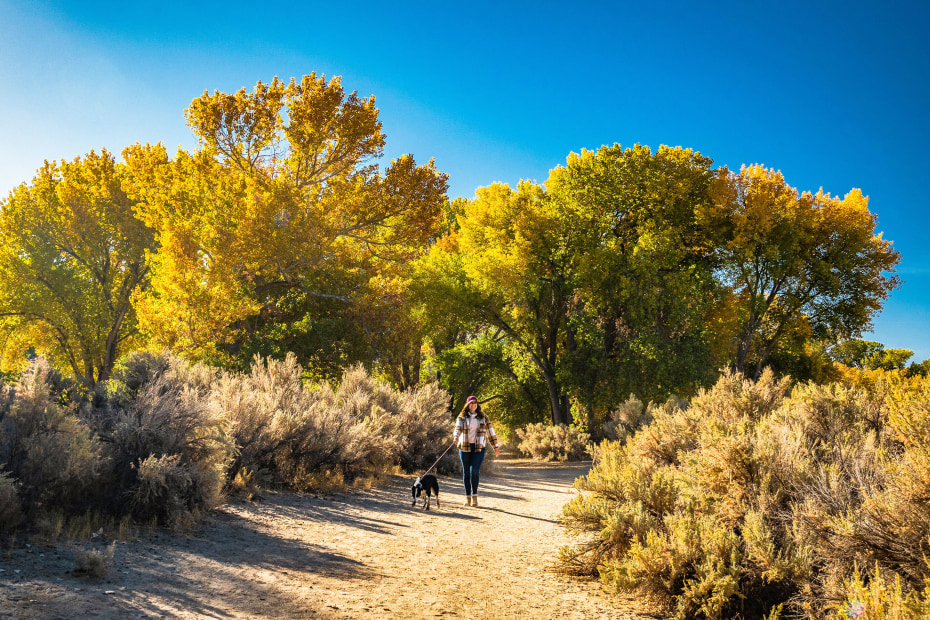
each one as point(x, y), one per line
point(834, 94)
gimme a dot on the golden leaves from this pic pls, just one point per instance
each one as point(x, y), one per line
point(73, 255)
point(281, 192)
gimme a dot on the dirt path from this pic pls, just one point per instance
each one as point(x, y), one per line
point(362, 554)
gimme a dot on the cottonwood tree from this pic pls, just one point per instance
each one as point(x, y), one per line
point(501, 269)
point(869, 354)
point(593, 280)
point(793, 257)
point(646, 290)
point(282, 209)
point(72, 255)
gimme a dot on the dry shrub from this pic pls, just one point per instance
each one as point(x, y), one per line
point(290, 433)
point(556, 442)
point(10, 507)
point(160, 441)
point(47, 527)
point(169, 444)
point(47, 449)
point(625, 420)
point(244, 485)
point(752, 500)
point(881, 596)
point(422, 429)
point(92, 524)
point(318, 438)
point(632, 415)
point(95, 562)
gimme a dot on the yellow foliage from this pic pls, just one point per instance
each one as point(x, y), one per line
point(796, 260)
point(281, 192)
point(71, 257)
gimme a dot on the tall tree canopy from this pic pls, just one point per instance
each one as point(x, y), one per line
point(646, 272)
point(72, 254)
point(646, 291)
point(597, 281)
point(281, 213)
point(797, 261)
point(869, 354)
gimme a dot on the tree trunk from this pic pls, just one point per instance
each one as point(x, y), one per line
point(555, 399)
point(406, 379)
point(745, 343)
point(566, 410)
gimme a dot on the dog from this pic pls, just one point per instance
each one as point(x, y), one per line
point(426, 483)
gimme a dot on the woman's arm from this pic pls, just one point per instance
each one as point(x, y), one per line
point(494, 440)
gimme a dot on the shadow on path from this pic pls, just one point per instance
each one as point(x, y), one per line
point(517, 514)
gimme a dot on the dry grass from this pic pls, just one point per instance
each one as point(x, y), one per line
point(95, 562)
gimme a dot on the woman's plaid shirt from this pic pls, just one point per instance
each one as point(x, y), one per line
point(485, 431)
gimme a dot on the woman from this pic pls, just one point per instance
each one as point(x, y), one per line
point(472, 431)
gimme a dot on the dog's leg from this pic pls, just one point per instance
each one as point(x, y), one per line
point(426, 503)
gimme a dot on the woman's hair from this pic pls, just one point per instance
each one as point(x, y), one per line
point(477, 411)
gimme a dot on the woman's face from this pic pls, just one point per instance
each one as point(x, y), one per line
point(472, 406)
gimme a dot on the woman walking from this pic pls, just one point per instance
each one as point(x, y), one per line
point(472, 432)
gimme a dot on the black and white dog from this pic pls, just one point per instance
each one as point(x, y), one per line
point(426, 483)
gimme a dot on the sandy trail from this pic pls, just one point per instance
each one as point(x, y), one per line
point(359, 554)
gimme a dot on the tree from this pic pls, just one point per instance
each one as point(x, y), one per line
point(501, 268)
point(596, 281)
point(646, 290)
point(867, 354)
point(71, 258)
point(791, 258)
point(922, 369)
point(281, 209)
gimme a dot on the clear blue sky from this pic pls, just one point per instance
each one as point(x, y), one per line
point(834, 94)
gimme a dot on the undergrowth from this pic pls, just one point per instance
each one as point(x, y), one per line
point(759, 499)
point(164, 441)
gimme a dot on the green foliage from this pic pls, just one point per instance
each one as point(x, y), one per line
point(555, 442)
point(871, 355)
point(753, 497)
point(598, 282)
point(492, 366)
point(629, 219)
point(922, 369)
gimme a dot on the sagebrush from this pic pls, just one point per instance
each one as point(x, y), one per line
point(758, 498)
point(555, 442)
point(164, 440)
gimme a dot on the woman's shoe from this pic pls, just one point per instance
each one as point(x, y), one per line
point(474, 501)
point(468, 500)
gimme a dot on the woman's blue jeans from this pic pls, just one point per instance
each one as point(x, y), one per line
point(471, 467)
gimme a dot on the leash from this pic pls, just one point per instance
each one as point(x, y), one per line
point(437, 460)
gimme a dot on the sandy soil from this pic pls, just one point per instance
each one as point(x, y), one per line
point(360, 554)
